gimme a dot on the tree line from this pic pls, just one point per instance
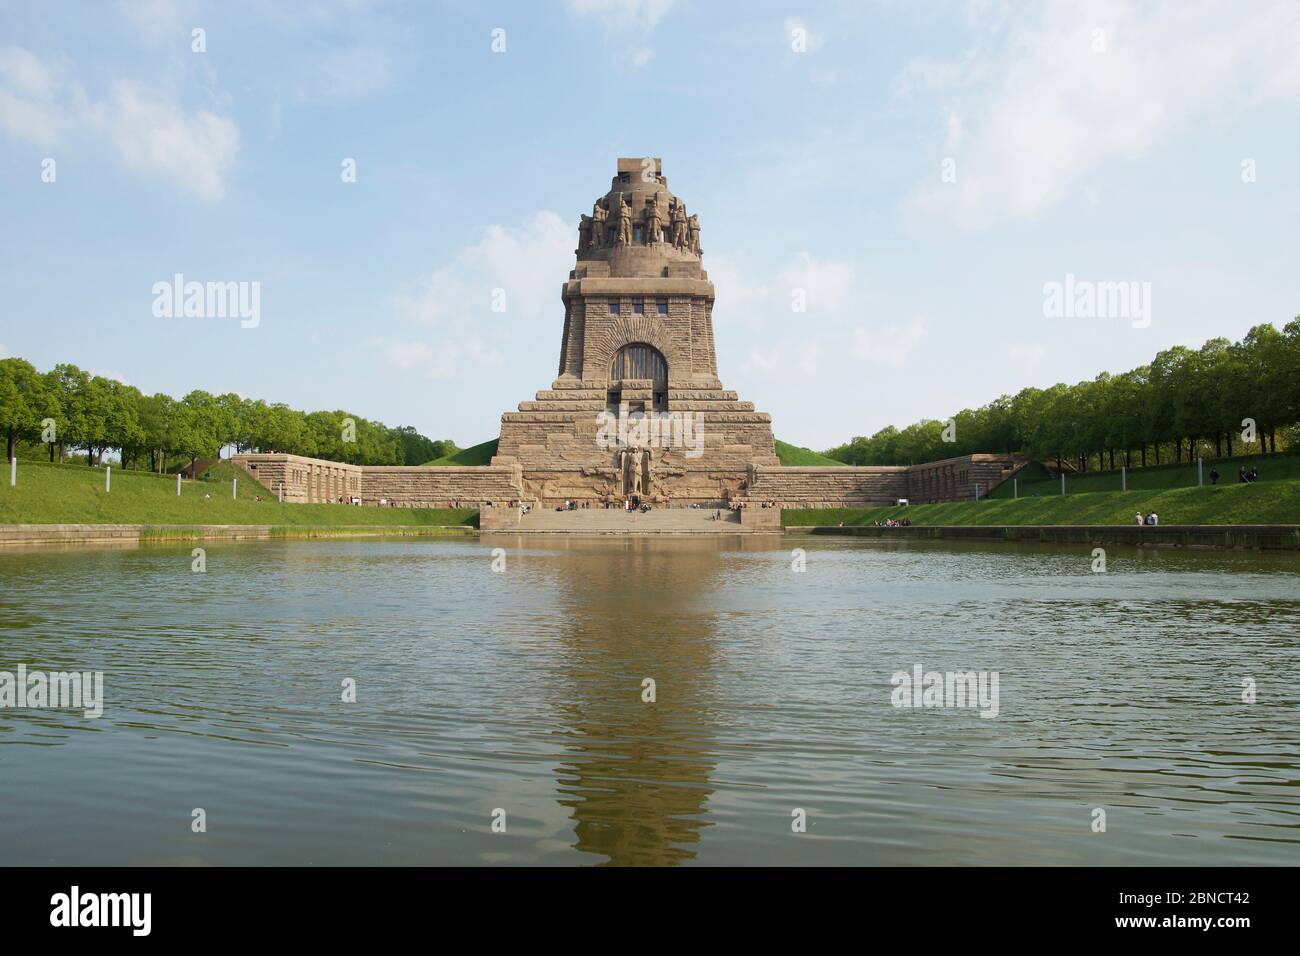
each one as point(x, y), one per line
point(1186, 402)
point(68, 408)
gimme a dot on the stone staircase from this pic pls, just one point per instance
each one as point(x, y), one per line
point(617, 521)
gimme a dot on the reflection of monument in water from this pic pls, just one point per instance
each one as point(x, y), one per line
point(636, 775)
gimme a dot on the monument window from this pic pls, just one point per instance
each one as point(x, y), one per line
point(613, 308)
point(639, 361)
point(638, 308)
point(662, 306)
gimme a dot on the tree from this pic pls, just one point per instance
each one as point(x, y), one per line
point(200, 426)
point(22, 400)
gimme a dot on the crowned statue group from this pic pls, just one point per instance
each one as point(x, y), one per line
point(660, 225)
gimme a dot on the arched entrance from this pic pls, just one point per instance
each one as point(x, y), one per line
point(639, 362)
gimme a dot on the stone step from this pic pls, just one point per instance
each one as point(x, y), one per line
point(618, 521)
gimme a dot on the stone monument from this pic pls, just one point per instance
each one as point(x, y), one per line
point(637, 359)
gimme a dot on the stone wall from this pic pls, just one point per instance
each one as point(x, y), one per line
point(564, 465)
point(419, 486)
point(303, 480)
point(953, 479)
point(960, 479)
point(314, 480)
point(829, 487)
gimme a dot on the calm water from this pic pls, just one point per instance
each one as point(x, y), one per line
point(521, 690)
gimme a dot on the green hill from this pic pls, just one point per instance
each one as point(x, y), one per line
point(794, 455)
point(1276, 502)
point(1281, 467)
point(474, 455)
point(74, 494)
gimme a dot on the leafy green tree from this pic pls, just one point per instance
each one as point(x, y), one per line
point(22, 401)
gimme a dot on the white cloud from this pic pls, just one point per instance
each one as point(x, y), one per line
point(952, 138)
point(154, 136)
point(38, 101)
point(159, 20)
point(1042, 109)
point(630, 21)
point(109, 373)
point(446, 360)
point(825, 286)
point(797, 357)
point(348, 74)
point(812, 42)
point(524, 262)
point(740, 299)
point(889, 344)
point(827, 283)
point(1028, 357)
point(617, 15)
point(42, 103)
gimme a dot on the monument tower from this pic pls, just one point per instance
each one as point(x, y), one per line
point(637, 346)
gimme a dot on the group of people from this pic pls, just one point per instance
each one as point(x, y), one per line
point(1150, 519)
point(891, 523)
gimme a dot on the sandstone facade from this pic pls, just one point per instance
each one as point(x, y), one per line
point(637, 345)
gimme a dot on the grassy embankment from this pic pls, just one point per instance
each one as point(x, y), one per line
point(474, 455)
point(74, 494)
point(1034, 479)
point(1274, 502)
point(794, 455)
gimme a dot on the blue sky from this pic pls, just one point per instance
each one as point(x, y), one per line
point(1104, 140)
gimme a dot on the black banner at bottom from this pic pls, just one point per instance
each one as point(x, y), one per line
point(335, 905)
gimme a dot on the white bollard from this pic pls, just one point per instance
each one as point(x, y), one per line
point(1123, 477)
point(1062, 482)
point(282, 492)
point(108, 478)
point(13, 471)
point(1200, 472)
point(233, 483)
point(178, 484)
point(1015, 487)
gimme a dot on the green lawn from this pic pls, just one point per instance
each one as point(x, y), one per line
point(74, 494)
point(794, 455)
point(474, 455)
point(1277, 502)
point(1154, 477)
